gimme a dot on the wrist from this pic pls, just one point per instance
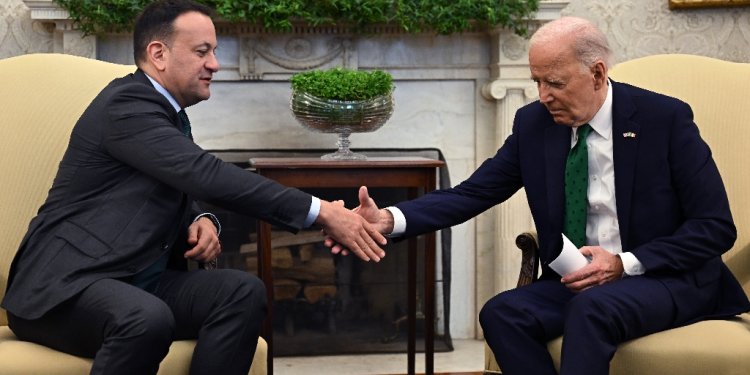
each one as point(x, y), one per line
point(324, 213)
point(386, 221)
point(212, 218)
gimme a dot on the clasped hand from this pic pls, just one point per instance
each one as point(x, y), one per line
point(605, 267)
point(347, 231)
point(204, 239)
point(378, 220)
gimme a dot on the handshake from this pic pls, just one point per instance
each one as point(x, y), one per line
point(358, 231)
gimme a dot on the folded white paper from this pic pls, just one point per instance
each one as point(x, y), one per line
point(569, 260)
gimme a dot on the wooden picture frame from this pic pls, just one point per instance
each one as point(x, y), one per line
point(683, 4)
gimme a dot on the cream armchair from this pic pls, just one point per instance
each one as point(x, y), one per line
point(42, 96)
point(717, 91)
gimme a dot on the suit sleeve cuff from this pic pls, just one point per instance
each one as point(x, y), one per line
point(399, 222)
point(213, 219)
point(312, 215)
point(631, 264)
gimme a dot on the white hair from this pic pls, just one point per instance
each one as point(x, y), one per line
point(589, 43)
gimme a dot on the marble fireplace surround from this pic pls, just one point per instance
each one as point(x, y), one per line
point(458, 93)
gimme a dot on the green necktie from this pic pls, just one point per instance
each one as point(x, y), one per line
point(185, 123)
point(576, 188)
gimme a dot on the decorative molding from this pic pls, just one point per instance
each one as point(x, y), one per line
point(65, 38)
point(498, 89)
point(46, 10)
point(19, 33)
point(550, 10)
point(280, 54)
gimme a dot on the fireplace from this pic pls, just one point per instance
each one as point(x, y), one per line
point(332, 304)
point(455, 92)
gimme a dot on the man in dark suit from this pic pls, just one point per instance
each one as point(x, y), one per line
point(102, 271)
point(656, 217)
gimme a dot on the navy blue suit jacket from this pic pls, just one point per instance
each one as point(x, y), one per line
point(672, 208)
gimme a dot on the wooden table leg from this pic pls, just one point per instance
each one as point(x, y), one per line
point(429, 303)
point(265, 272)
point(412, 306)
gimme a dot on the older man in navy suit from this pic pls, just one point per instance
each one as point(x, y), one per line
point(655, 216)
point(102, 271)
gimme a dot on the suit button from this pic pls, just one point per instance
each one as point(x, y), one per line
point(164, 246)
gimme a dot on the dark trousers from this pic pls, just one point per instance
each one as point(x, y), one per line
point(518, 323)
point(128, 331)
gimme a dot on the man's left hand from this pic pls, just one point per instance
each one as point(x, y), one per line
point(605, 267)
point(203, 237)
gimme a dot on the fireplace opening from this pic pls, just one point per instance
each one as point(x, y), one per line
point(327, 304)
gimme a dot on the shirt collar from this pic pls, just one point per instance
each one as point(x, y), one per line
point(602, 120)
point(164, 92)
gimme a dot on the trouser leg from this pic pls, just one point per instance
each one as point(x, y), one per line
point(518, 323)
point(600, 318)
point(223, 309)
point(126, 330)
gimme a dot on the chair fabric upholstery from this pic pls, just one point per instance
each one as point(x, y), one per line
point(716, 90)
point(42, 97)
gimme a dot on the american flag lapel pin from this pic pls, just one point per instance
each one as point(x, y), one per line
point(628, 135)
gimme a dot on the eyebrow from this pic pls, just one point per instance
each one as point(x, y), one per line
point(207, 45)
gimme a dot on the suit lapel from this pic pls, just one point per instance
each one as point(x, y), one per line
point(625, 151)
point(556, 148)
point(141, 77)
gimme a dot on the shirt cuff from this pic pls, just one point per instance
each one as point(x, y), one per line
point(631, 264)
point(312, 215)
point(213, 219)
point(399, 222)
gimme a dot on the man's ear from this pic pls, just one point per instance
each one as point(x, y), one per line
point(156, 52)
point(599, 70)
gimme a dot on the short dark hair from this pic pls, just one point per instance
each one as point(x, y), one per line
point(156, 22)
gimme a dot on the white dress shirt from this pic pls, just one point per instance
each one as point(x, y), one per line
point(602, 227)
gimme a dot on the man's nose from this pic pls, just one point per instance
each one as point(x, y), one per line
point(213, 63)
point(544, 94)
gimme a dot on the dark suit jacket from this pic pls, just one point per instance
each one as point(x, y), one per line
point(672, 208)
point(124, 195)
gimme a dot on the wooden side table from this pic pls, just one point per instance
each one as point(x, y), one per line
point(417, 174)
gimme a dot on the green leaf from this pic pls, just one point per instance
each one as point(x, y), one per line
point(442, 16)
point(343, 84)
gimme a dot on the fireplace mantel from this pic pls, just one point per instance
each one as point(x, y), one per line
point(458, 93)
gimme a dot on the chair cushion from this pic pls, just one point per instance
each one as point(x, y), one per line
point(708, 347)
point(25, 358)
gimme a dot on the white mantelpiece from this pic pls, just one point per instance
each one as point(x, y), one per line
point(458, 93)
point(66, 39)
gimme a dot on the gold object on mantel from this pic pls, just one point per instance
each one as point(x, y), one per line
point(684, 4)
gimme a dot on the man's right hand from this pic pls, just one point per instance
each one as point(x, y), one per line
point(381, 220)
point(350, 231)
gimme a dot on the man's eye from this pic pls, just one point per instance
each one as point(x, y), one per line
point(202, 53)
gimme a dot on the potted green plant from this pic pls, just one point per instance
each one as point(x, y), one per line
point(342, 101)
point(439, 16)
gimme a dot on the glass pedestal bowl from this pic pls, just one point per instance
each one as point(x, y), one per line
point(341, 117)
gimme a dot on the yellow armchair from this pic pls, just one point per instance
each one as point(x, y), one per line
point(42, 97)
point(717, 91)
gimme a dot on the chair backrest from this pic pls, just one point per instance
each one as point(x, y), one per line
point(42, 97)
point(717, 91)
